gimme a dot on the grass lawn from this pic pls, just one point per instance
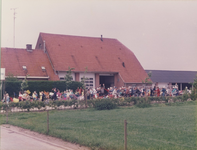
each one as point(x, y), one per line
point(162, 127)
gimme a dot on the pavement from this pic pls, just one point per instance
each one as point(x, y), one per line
point(15, 138)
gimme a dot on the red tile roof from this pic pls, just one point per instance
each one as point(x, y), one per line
point(13, 60)
point(98, 56)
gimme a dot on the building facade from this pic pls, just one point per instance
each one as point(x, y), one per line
point(100, 60)
point(165, 77)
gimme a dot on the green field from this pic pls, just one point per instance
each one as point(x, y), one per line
point(161, 127)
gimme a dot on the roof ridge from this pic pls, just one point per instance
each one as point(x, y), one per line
point(76, 36)
point(170, 70)
point(10, 48)
point(13, 48)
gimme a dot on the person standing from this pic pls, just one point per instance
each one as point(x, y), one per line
point(163, 92)
point(151, 91)
point(35, 95)
point(158, 92)
point(169, 89)
point(43, 96)
point(114, 93)
point(54, 94)
point(155, 91)
point(176, 86)
point(7, 98)
point(59, 94)
point(20, 96)
point(138, 93)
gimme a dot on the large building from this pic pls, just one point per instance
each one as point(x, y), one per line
point(166, 77)
point(101, 60)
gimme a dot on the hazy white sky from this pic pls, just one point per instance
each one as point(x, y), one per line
point(162, 34)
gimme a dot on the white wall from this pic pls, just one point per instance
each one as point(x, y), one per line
point(88, 75)
point(62, 74)
point(161, 84)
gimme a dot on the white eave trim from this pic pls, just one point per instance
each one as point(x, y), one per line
point(33, 77)
point(121, 78)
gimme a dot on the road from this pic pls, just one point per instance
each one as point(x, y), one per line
point(15, 138)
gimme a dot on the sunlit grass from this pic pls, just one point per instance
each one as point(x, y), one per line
point(165, 127)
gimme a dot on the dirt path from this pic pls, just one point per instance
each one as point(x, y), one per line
point(16, 138)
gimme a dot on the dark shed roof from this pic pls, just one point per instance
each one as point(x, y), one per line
point(172, 76)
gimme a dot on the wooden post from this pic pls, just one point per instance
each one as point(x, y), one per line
point(6, 115)
point(4, 87)
point(1, 84)
point(125, 134)
point(85, 97)
point(47, 122)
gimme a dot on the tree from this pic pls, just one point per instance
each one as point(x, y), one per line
point(84, 86)
point(11, 78)
point(147, 79)
point(84, 78)
point(24, 83)
point(193, 94)
point(195, 83)
point(68, 77)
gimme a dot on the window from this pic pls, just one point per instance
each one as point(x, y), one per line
point(62, 78)
point(43, 68)
point(40, 46)
point(24, 68)
point(88, 82)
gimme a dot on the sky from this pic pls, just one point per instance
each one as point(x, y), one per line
point(161, 34)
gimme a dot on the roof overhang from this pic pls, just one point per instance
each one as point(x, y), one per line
point(100, 72)
point(32, 77)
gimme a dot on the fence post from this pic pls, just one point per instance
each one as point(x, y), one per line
point(125, 134)
point(6, 115)
point(47, 122)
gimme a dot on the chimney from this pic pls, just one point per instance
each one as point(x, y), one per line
point(101, 37)
point(29, 47)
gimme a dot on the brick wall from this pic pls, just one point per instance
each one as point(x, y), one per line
point(76, 76)
point(97, 80)
point(118, 82)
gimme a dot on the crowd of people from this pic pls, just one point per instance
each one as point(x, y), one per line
point(136, 91)
point(99, 92)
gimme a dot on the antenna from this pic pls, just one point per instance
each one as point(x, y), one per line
point(14, 27)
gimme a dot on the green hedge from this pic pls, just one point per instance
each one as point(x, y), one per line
point(104, 104)
point(40, 104)
point(99, 104)
point(11, 87)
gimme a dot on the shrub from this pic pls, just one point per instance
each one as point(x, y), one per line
point(143, 103)
point(90, 103)
point(1, 105)
point(193, 95)
point(27, 105)
point(129, 101)
point(151, 98)
point(5, 106)
point(104, 104)
point(165, 98)
point(185, 96)
point(119, 101)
